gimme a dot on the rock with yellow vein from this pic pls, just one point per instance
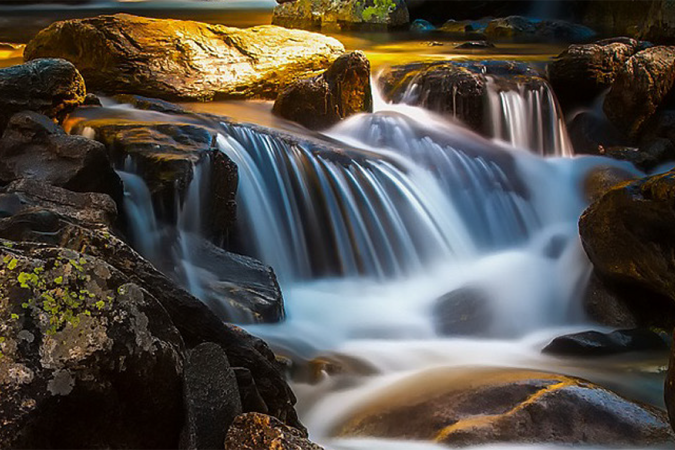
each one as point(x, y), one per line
point(480, 406)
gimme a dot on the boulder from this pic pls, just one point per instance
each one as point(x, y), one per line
point(341, 14)
point(609, 306)
point(254, 431)
point(211, 397)
point(594, 343)
point(471, 29)
point(626, 235)
point(88, 359)
point(36, 212)
point(173, 59)
point(582, 72)
point(32, 146)
point(589, 130)
point(422, 26)
point(603, 178)
point(52, 87)
point(320, 102)
point(466, 407)
point(475, 45)
point(523, 28)
point(641, 87)
point(464, 312)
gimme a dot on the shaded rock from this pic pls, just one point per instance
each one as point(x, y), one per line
point(89, 360)
point(510, 27)
point(640, 88)
point(523, 28)
point(254, 431)
point(52, 87)
point(464, 312)
point(603, 178)
point(91, 100)
point(644, 159)
point(480, 406)
point(32, 146)
point(669, 393)
point(475, 45)
point(52, 224)
point(594, 343)
point(251, 400)
point(626, 235)
point(582, 72)
point(422, 26)
point(608, 306)
point(341, 14)
point(173, 59)
point(320, 102)
point(588, 131)
point(211, 397)
point(466, 28)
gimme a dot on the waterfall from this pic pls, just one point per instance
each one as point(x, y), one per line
point(527, 117)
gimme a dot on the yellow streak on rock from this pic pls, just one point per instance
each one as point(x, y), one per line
point(484, 420)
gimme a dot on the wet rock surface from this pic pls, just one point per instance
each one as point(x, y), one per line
point(464, 312)
point(52, 87)
point(341, 14)
point(594, 343)
point(320, 102)
point(504, 405)
point(89, 359)
point(256, 431)
point(32, 146)
point(173, 59)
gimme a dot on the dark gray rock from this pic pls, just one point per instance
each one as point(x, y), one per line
point(464, 312)
point(211, 397)
point(594, 343)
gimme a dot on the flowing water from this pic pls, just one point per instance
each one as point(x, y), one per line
point(370, 222)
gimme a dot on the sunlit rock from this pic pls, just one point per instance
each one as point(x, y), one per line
point(479, 406)
point(254, 431)
point(175, 59)
point(341, 14)
point(320, 102)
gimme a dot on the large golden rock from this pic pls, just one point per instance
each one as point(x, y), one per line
point(174, 59)
point(479, 406)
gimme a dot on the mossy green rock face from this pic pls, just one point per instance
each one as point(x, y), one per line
point(341, 14)
point(175, 59)
point(88, 360)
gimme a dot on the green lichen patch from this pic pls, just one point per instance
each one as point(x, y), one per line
point(378, 11)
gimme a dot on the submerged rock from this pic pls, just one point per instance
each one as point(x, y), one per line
point(52, 87)
point(32, 146)
point(173, 59)
point(641, 87)
point(464, 312)
point(594, 343)
point(320, 102)
point(254, 431)
point(481, 406)
point(87, 358)
point(626, 235)
point(475, 45)
point(582, 72)
point(341, 14)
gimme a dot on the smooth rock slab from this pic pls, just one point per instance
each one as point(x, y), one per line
point(481, 406)
point(174, 59)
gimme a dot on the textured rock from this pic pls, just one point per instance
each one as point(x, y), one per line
point(256, 431)
point(603, 178)
point(88, 360)
point(52, 87)
point(174, 59)
point(465, 311)
point(211, 397)
point(32, 146)
point(594, 343)
point(640, 88)
point(481, 406)
point(582, 72)
point(523, 28)
point(343, 90)
point(341, 14)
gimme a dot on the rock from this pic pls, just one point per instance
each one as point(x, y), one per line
point(458, 89)
point(89, 360)
point(582, 72)
point(603, 178)
point(475, 45)
point(168, 155)
point(422, 26)
point(342, 14)
point(589, 130)
point(652, 19)
point(320, 102)
point(626, 236)
point(91, 100)
point(466, 28)
point(149, 104)
point(172, 59)
point(522, 28)
point(644, 159)
point(594, 343)
point(50, 221)
point(479, 406)
point(464, 312)
point(254, 431)
point(669, 393)
point(607, 306)
point(52, 87)
point(640, 88)
point(211, 397)
point(251, 401)
point(32, 146)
